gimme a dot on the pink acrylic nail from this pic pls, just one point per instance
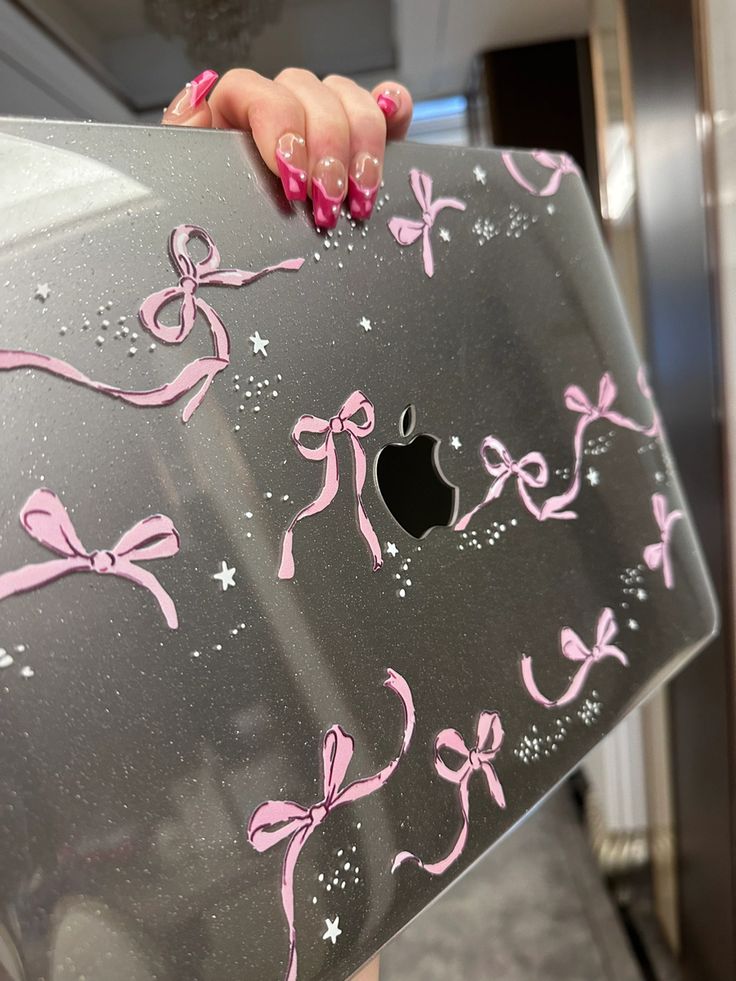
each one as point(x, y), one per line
point(389, 101)
point(200, 86)
point(291, 159)
point(363, 183)
point(328, 191)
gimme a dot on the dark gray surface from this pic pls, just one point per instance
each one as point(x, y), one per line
point(533, 909)
point(131, 766)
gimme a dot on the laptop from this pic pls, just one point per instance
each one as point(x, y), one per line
point(324, 557)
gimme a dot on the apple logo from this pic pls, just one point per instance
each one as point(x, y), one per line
point(411, 483)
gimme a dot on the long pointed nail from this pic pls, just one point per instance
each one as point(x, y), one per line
point(184, 105)
point(328, 191)
point(363, 183)
point(389, 101)
point(291, 159)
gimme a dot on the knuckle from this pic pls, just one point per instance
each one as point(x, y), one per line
point(297, 76)
point(339, 81)
point(239, 78)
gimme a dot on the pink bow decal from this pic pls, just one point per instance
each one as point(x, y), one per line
point(530, 471)
point(44, 518)
point(192, 275)
point(658, 555)
point(576, 400)
point(276, 821)
point(478, 759)
point(343, 422)
point(574, 649)
point(559, 163)
point(406, 230)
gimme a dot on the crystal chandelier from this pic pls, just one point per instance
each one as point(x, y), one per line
point(220, 31)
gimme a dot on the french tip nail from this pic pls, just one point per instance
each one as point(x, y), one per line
point(325, 208)
point(291, 160)
point(388, 103)
point(200, 86)
point(328, 191)
point(361, 199)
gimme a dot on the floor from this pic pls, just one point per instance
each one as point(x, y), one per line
point(534, 909)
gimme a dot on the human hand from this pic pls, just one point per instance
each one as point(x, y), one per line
point(325, 139)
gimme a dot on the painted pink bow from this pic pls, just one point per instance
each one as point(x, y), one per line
point(574, 649)
point(559, 163)
point(343, 422)
point(658, 555)
point(479, 759)
point(44, 518)
point(576, 400)
point(276, 821)
point(192, 275)
point(530, 471)
point(407, 230)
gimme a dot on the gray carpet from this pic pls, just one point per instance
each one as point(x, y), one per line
point(535, 909)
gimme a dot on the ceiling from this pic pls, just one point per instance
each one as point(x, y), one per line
point(427, 44)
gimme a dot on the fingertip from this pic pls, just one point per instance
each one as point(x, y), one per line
point(396, 104)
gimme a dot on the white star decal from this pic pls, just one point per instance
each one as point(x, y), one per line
point(333, 930)
point(42, 292)
point(259, 344)
point(226, 576)
point(455, 443)
point(479, 174)
point(444, 235)
point(392, 549)
point(365, 324)
point(593, 477)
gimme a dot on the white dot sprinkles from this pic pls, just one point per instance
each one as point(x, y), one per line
point(536, 745)
point(403, 579)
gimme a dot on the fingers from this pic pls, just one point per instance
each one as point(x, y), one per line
point(367, 126)
point(328, 142)
point(246, 100)
point(323, 138)
point(189, 107)
point(396, 103)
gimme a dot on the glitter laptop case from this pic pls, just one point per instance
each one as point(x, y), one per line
point(323, 557)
